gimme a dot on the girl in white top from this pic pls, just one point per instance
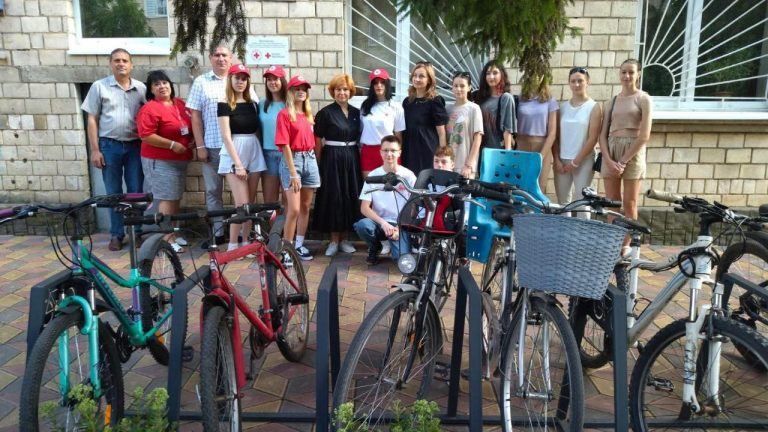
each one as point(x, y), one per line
point(580, 120)
point(380, 116)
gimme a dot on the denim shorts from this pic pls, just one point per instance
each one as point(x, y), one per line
point(273, 159)
point(306, 168)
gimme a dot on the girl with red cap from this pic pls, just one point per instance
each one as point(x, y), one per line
point(380, 116)
point(241, 159)
point(299, 175)
point(276, 90)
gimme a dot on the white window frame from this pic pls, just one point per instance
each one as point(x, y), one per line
point(78, 45)
point(684, 107)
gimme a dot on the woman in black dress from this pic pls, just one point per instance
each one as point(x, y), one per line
point(337, 129)
point(425, 119)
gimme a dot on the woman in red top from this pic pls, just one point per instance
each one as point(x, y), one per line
point(165, 128)
point(299, 175)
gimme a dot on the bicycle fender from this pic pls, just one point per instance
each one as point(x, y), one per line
point(549, 299)
point(275, 243)
point(145, 252)
point(404, 287)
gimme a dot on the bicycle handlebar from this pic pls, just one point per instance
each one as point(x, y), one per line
point(665, 196)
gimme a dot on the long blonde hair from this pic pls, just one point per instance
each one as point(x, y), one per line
point(232, 98)
point(431, 84)
point(290, 104)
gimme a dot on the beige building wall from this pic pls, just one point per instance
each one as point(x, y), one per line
point(43, 152)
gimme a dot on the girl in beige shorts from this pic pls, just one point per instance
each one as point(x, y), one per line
point(623, 138)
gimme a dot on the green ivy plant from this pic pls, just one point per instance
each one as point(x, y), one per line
point(421, 417)
point(150, 412)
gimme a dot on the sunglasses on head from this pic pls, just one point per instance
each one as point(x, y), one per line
point(580, 70)
point(461, 74)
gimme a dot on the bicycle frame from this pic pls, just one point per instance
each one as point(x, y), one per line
point(223, 291)
point(702, 275)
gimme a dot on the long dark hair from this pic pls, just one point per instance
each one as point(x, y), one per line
point(484, 90)
point(155, 76)
point(371, 100)
point(283, 92)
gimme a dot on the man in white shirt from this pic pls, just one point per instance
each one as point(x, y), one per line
point(207, 91)
point(380, 208)
point(112, 104)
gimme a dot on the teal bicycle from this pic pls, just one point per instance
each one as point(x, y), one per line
point(77, 344)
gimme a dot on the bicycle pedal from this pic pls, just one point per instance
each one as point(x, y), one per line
point(187, 353)
point(297, 299)
point(442, 371)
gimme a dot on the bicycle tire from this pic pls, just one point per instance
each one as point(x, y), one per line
point(373, 355)
point(41, 376)
point(563, 403)
point(591, 323)
point(165, 267)
point(663, 380)
point(492, 280)
point(291, 322)
point(219, 400)
point(748, 259)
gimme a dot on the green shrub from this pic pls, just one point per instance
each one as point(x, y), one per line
point(150, 412)
point(419, 418)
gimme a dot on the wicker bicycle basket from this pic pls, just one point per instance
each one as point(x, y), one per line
point(565, 255)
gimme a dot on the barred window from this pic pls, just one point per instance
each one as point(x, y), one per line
point(705, 54)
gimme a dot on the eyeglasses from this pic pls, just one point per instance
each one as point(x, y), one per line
point(390, 150)
point(580, 70)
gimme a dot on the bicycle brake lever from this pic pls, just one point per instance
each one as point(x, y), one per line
point(475, 202)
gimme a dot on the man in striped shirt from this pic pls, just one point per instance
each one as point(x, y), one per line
point(206, 92)
point(112, 104)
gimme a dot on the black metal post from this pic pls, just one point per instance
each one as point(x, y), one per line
point(620, 350)
point(475, 348)
point(456, 349)
point(327, 343)
point(179, 321)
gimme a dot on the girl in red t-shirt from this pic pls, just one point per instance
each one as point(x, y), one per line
point(299, 175)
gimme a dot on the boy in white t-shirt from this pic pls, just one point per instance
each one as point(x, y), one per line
point(380, 208)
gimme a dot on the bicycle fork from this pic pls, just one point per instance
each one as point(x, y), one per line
point(522, 373)
point(91, 329)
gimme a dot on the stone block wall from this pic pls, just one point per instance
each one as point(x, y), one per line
point(43, 149)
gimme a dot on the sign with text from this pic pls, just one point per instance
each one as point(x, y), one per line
point(267, 51)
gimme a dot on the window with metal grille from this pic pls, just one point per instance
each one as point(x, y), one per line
point(705, 55)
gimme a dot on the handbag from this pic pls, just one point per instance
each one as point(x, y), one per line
point(598, 164)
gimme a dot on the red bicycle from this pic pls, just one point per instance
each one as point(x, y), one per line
point(283, 316)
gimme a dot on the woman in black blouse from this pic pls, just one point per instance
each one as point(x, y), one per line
point(241, 159)
point(337, 129)
point(425, 119)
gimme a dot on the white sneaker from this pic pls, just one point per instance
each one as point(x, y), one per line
point(347, 247)
point(181, 241)
point(384, 248)
point(333, 247)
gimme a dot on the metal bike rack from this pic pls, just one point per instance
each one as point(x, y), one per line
point(467, 288)
point(327, 308)
point(38, 297)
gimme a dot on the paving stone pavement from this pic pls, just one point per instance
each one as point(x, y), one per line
point(279, 386)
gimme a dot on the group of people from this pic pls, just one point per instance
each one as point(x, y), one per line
point(141, 133)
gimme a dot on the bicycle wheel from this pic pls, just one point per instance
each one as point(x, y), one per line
point(591, 323)
point(548, 388)
point(656, 386)
point(61, 341)
point(748, 259)
point(219, 400)
point(165, 268)
point(491, 336)
point(441, 271)
point(290, 316)
point(386, 361)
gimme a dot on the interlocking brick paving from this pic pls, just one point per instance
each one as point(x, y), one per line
point(279, 386)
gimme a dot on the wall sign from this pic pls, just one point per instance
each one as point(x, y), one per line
point(267, 51)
